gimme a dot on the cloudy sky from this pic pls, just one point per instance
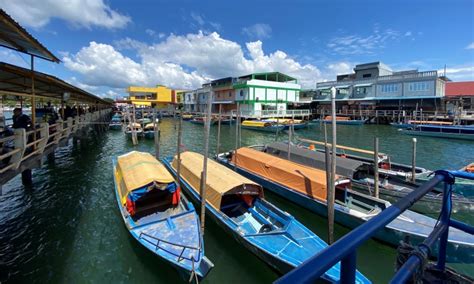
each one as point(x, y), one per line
point(106, 46)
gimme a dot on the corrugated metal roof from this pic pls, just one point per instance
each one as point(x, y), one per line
point(459, 89)
point(17, 80)
point(15, 37)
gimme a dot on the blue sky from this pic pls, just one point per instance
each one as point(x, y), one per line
point(107, 45)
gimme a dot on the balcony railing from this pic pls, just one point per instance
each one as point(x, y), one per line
point(273, 113)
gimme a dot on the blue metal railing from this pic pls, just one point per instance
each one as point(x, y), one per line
point(344, 249)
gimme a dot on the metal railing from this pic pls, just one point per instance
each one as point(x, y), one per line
point(27, 144)
point(344, 249)
point(184, 247)
point(273, 113)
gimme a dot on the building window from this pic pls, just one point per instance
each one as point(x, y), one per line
point(389, 88)
point(230, 94)
point(361, 90)
point(418, 86)
point(366, 75)
point(342, 91)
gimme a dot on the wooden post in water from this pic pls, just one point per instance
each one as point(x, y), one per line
point(331, 188)
point(157, 135)
point(290, 133)
point(413, 162)
point(178, 150)
point(376, 167)
point(134, 133)
point(203, 183)
point(219, 130)
point(237, 122)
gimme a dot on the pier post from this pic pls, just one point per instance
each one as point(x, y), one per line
point(26, 177)
point(203, 183)
point(331, 191)
point(178, 150)
point(219, 130)
point(290, 133)
point(134, 133)
point(413, 162)
point(237, 122)
point(157, 135)
point(376, 167)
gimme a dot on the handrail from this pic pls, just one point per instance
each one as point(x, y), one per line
point(157, 245)
point(344, 249)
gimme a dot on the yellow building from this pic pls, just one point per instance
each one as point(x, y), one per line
point(155, 96)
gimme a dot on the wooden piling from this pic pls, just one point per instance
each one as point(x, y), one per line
point(219, 130)
point(237, 122)
point(376, 167)
point(413, 162)
point(134, 133)
point(203, 183)
point(178, 150)
point(156, 128)
point(332, 190)
point(328, 186)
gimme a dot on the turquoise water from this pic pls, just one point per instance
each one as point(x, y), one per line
point(67, 228)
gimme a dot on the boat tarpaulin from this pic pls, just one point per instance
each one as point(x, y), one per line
point(138, 169)
point(345, 167)
point(308, 181)
point(220, 180)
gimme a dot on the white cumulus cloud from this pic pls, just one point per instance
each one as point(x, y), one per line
point(79, 13)
point(181, 61)
point(258, 31)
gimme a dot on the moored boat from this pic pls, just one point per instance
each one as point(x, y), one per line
point(361, 174)
point(440, 131)
point(237, 205)
point(186, 117)
point(264, 126)
point(134, 127)
point(344, 120)
point(295, 123)
point(149, 131)
point(115, 123)
point(412, 123)
point(305, 186)
point(201, 121)
point(157, 215)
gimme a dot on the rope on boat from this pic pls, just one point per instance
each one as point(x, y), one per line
point(193, 273)
point(404, 251)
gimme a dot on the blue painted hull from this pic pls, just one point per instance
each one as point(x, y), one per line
point(460, 247)
point(277, 263)
point(183, 225)
point(149, 134)
point(115, 126)
point(296, 126)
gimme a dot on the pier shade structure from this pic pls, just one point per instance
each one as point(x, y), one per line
point(24, 149)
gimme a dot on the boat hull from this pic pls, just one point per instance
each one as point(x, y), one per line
point(115, 126)
point(341, 122)
point(439, 134)
point(149, 134)
point(272, 129)
point(391, 234)
point(296, 126)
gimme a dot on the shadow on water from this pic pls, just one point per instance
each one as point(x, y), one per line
point(67, 227)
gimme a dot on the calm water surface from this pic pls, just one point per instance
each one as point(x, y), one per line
point(67, 228)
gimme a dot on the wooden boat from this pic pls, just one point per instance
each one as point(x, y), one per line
point(237, 205)
point(344, 120)
point(412, 123)
point(157, 215)
point(306, 187)
point(149, 131)
point(393, 171)
point(115, 123)
point(259, 125)
point(226, 120)
point(450, 132)
point(296, 123)
point(136, 127)
point(201, 121)
point(361, 174)
point(187, 117)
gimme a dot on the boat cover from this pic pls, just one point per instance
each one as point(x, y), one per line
point(138, 169)
point(306, 180)
point(220, 180)
point(256, 123)
point(149, 126)
point(345, 167)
